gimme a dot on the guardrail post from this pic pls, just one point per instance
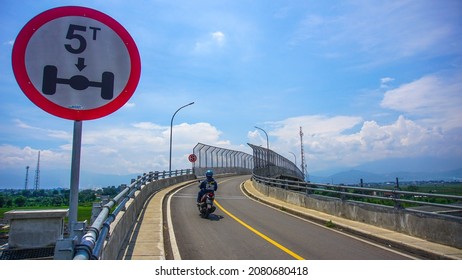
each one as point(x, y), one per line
point(138, 181)
point(397, 196)
point(343, 196)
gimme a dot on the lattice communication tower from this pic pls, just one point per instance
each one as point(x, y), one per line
point(37, 173)
point(303, 164)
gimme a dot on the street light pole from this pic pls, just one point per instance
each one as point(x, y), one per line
point(171, 128)
point(295, 158)
point(267, 142)
point(267, 148)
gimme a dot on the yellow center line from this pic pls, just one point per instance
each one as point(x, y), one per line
point(259, 233)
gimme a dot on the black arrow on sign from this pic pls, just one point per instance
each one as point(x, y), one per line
point(81, 64)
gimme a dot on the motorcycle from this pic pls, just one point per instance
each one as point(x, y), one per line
point(206, 206)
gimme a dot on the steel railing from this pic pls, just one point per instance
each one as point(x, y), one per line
point(91, 244)
point(271, 164)
point(221, 160)
point(397, 197)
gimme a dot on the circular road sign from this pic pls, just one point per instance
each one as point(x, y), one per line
point(76, 63)
point(192, 158)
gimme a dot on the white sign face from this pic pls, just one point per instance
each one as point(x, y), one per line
point(76, 63)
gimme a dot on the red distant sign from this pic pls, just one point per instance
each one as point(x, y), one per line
point(192, 158)
point(76, 63)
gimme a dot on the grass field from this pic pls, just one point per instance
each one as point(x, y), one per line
point(84, 212)
point(442, 188)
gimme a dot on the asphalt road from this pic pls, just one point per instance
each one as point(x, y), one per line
point(243, 229)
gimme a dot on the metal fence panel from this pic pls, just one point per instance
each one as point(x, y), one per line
point(221, 160)
point(271, 164)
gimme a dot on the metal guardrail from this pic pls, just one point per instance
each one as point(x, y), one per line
point(270, 163)
point(396, 196)
point(91, 244)
point(263, 162)
point(220, 159)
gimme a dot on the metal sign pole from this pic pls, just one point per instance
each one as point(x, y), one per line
point(75, 176)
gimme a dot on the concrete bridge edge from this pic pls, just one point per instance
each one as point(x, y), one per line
point(379, 235)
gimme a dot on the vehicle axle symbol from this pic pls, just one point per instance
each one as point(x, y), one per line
point(77, 82)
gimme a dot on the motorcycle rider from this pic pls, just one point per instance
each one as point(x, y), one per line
point(208, 185)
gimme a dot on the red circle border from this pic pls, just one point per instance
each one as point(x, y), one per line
point(24, 82)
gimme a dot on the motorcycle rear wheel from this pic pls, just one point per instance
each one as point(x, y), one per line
point(205, 213)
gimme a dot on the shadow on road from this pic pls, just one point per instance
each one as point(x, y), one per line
point(213, 217)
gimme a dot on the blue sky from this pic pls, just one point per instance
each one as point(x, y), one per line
point(370, 83)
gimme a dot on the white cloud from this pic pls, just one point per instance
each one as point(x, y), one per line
point(317, 125)
point(384, 82)
point(140, 147)
point(346, 141)
point(210, 43)
point(17, 157)
point(129, 105)
point(42, 133)
point(148, 126)
point(144, 147)
point(434, 98)
point(219, 38)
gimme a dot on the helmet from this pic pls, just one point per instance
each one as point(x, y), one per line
point(209, 173)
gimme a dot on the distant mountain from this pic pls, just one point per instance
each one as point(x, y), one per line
point(15, 178)
point(354, 177)
point(417, 164)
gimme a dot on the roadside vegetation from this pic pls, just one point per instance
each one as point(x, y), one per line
point(386, 194)
point(14, 199)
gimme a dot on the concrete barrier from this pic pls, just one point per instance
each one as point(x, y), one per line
point(443, 229)
point(35, 228)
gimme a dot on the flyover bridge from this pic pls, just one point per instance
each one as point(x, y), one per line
point(155, 217)
point(264, 162)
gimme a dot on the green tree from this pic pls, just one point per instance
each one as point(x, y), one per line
point(20, 201)
point(87, 196)
point(110, 191)
point(57, 201)
point(26, 193)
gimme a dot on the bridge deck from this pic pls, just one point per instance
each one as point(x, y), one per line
point(392, 238)
point(147, 242)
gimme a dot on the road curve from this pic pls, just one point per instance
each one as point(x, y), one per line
point(243, 229)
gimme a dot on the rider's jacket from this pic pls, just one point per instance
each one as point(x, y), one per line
point(209, 185)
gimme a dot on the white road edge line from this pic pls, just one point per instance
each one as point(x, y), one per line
point(171, 233)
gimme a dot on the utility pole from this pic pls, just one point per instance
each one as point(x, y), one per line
point(37, 173)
